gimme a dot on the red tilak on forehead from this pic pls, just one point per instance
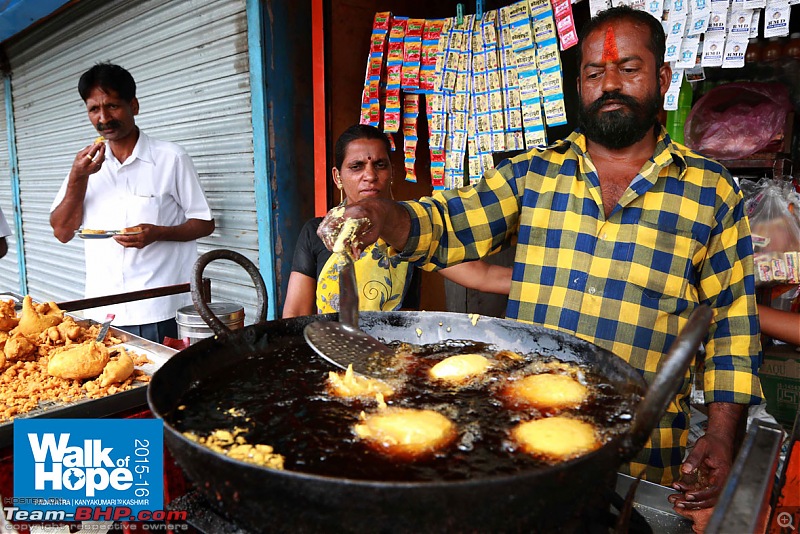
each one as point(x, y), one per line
point(610, 52)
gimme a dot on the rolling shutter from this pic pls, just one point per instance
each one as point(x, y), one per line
point(190, 63)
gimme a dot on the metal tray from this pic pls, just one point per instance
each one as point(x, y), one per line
point(104, 406)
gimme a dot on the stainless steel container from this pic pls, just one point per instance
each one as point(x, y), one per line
point(191, 325)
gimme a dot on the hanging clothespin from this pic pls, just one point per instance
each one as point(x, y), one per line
point(479, 9)
point(459, 14)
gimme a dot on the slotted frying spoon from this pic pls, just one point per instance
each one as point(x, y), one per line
point(344, 343)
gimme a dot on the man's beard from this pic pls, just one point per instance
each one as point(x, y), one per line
point(622, 127)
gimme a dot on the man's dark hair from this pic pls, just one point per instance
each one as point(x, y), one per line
point(354, 133)
point(108, 77)
point(657, 44)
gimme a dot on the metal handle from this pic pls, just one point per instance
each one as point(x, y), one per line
point(348, 293)
point(667, 380)
point(219, 328)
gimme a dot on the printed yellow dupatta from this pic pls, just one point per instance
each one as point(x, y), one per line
point(381, 281)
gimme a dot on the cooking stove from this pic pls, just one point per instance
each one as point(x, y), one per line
point(651, 513)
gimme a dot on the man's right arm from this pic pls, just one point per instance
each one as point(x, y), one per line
point(67, 217)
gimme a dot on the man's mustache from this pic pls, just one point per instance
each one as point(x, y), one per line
point(615, 96)
point(110, 125)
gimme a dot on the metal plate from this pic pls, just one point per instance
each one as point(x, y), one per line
point(104, 406)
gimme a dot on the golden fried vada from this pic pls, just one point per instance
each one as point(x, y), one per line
point(85, 360)
point(555, 438)
point(406, 433)
point(547, 392)
point(460, 368)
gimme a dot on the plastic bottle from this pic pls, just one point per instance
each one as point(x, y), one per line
point(677, 119)
point(754, 52)
point(773, 50)
point(792, 47)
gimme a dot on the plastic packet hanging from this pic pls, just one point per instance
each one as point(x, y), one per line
point(775, 232)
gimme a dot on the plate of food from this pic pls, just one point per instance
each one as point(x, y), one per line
point(89, 233)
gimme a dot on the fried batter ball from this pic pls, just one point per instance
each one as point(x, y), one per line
point(36, 318)
point(8, 315)
point(556, 438)
point(19, 346)
point(406, 433)
point(118, 369)
point(86, 360)
point(460, 368)
point(547, 392)
point(351, 385)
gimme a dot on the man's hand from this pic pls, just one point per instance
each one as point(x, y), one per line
point(188, 231)
point(705, 470)
point(68, 215)
point(149, 234)
point(384, 219)
point(88, 161)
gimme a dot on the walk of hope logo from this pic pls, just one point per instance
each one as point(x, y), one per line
point(89, 467)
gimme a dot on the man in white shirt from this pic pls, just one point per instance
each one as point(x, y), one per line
point(129, 180)
point(4, 232)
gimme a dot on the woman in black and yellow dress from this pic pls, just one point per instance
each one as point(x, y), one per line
point(361, 169)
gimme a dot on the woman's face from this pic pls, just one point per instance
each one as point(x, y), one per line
point(366, 171)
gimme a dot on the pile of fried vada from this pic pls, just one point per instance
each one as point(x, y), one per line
point(45, 356)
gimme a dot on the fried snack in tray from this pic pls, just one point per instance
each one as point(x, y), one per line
point(26, 384)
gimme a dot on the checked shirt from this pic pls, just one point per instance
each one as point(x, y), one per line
point(678, 237)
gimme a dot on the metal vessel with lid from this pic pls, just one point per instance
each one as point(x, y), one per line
point(192, 325)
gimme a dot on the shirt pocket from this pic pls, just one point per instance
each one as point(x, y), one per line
point(661, 263)
point(142, 209)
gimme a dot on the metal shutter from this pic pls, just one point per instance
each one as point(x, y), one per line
point(190, 63)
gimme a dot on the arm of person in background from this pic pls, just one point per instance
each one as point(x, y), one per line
point(480, 275)
point(301, 294)
point(67, 217)
point(150, 233)
point(781, 325)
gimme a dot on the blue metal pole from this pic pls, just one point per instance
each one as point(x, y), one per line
point(13, 164)
point(263, 190)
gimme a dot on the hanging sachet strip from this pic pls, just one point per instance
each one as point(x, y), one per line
point(431, 33)
point(494, 81)
point(370, 97)
point(410, 116)
point(479, 137)
point(412, 52)
point(565, 23)
point(522, 41)
point(514, 139)
point(459, 109)
point(548, 61)
point(394, 68)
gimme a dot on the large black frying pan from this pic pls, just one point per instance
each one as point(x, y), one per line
point(537, 499)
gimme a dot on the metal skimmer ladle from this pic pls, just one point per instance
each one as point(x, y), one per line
point(344, 343)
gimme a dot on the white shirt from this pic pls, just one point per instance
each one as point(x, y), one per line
point(4, 228)
point(158, 185)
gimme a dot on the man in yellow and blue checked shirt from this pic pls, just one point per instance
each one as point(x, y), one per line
point(621, 234)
